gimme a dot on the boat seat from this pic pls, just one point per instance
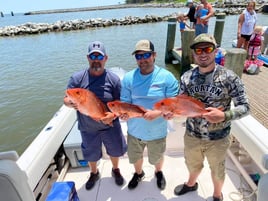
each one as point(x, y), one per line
point(14, 184)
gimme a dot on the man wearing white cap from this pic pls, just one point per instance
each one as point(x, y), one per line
point(191, 13)
point(106, 86)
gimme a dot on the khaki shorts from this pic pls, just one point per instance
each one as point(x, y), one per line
point(155, 148)
point(215, 151)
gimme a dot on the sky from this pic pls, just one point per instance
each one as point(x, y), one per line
point(23, 6)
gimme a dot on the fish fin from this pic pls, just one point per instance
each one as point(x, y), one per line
point(108, 118)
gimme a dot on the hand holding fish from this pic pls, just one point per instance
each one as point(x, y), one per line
point(68, 102)
point(108, 119)
point(87, 103)
point(152, 114)
point(214, 115)
point(168, 115)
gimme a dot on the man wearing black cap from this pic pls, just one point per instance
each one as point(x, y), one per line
point(106, 86)
point(209, 135)
point(144, 86)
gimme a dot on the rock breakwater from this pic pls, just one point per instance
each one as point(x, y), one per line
point(78, 24)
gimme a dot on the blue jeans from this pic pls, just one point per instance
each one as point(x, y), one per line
point(201, 28)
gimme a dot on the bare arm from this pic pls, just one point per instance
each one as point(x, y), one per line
point(241, 20)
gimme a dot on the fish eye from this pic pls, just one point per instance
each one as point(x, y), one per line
point(162, 103)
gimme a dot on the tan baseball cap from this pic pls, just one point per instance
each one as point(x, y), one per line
point(203, 38)
point(144, 45)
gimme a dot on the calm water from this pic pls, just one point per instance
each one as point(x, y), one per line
point(35, 69)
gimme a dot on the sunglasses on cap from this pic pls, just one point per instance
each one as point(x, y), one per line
point(207, 50)
point(143, 56)
point(96, 57)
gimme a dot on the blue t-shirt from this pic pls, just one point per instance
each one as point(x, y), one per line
point(106, 87)
point(146, 90)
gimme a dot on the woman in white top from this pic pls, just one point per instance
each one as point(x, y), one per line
point(246, 23)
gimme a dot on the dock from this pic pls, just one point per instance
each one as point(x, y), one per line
point(257, 91)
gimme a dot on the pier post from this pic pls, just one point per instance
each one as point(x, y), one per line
point(12, 14)
point(220, 18)
point(171, 33)
point(187, 37)
point(2, 14)
point(264, 46)
point(235, 59)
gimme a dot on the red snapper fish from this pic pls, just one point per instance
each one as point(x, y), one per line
point(183, 105)
point(89, 104)
point(132, 110)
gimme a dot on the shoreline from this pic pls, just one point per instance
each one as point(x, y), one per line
point(118, 6)
point(259, 7)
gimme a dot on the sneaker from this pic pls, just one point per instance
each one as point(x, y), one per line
point(119, 180)
point(135, 180)
point(160, 180)
point(218, 199)
point(185, 189)
point(92, 180)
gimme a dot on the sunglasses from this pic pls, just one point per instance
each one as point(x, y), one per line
point(96, 57)
point(143, 56)
point(207, 50)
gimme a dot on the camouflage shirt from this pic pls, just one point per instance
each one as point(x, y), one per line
point(215, 89)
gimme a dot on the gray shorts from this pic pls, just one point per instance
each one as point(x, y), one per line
point(215, 151)
point(155, 148)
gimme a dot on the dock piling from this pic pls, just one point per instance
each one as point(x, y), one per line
point(187, 37)
point(234, 60)
point(218, 30)
point(171, 33)
point(2, 14)
point(264, 46)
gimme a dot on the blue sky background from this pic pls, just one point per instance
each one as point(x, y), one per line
point(22, 6)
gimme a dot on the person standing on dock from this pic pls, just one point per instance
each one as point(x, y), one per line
point(246, 24)
point(191, 13)
point(106, 86)
point(208, 135)
point(144, 86)
point(202, 22)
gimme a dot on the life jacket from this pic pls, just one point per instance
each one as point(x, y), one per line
point(256, 41)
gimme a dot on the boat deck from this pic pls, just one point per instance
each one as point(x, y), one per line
point(175, 172)
point(257, 91)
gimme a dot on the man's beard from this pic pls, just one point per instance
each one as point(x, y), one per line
point(96, 66)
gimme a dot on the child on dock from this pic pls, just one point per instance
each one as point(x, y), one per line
point(252, 64)
point(182, 21)
point(254, 47)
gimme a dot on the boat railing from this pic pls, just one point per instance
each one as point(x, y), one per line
point(37, 157)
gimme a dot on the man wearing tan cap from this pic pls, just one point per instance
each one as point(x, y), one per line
point(209, 135)
point(144, 86)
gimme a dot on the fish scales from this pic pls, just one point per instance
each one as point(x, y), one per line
point(132, 110)
point(181, 105)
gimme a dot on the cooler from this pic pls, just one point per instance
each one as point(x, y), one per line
point(63, 191)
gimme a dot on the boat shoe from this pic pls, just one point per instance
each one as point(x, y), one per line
point(185, 189)
point(135, 180)
point(119, 180)
point(92, 180)
point(218, 199)
point(160, 180)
